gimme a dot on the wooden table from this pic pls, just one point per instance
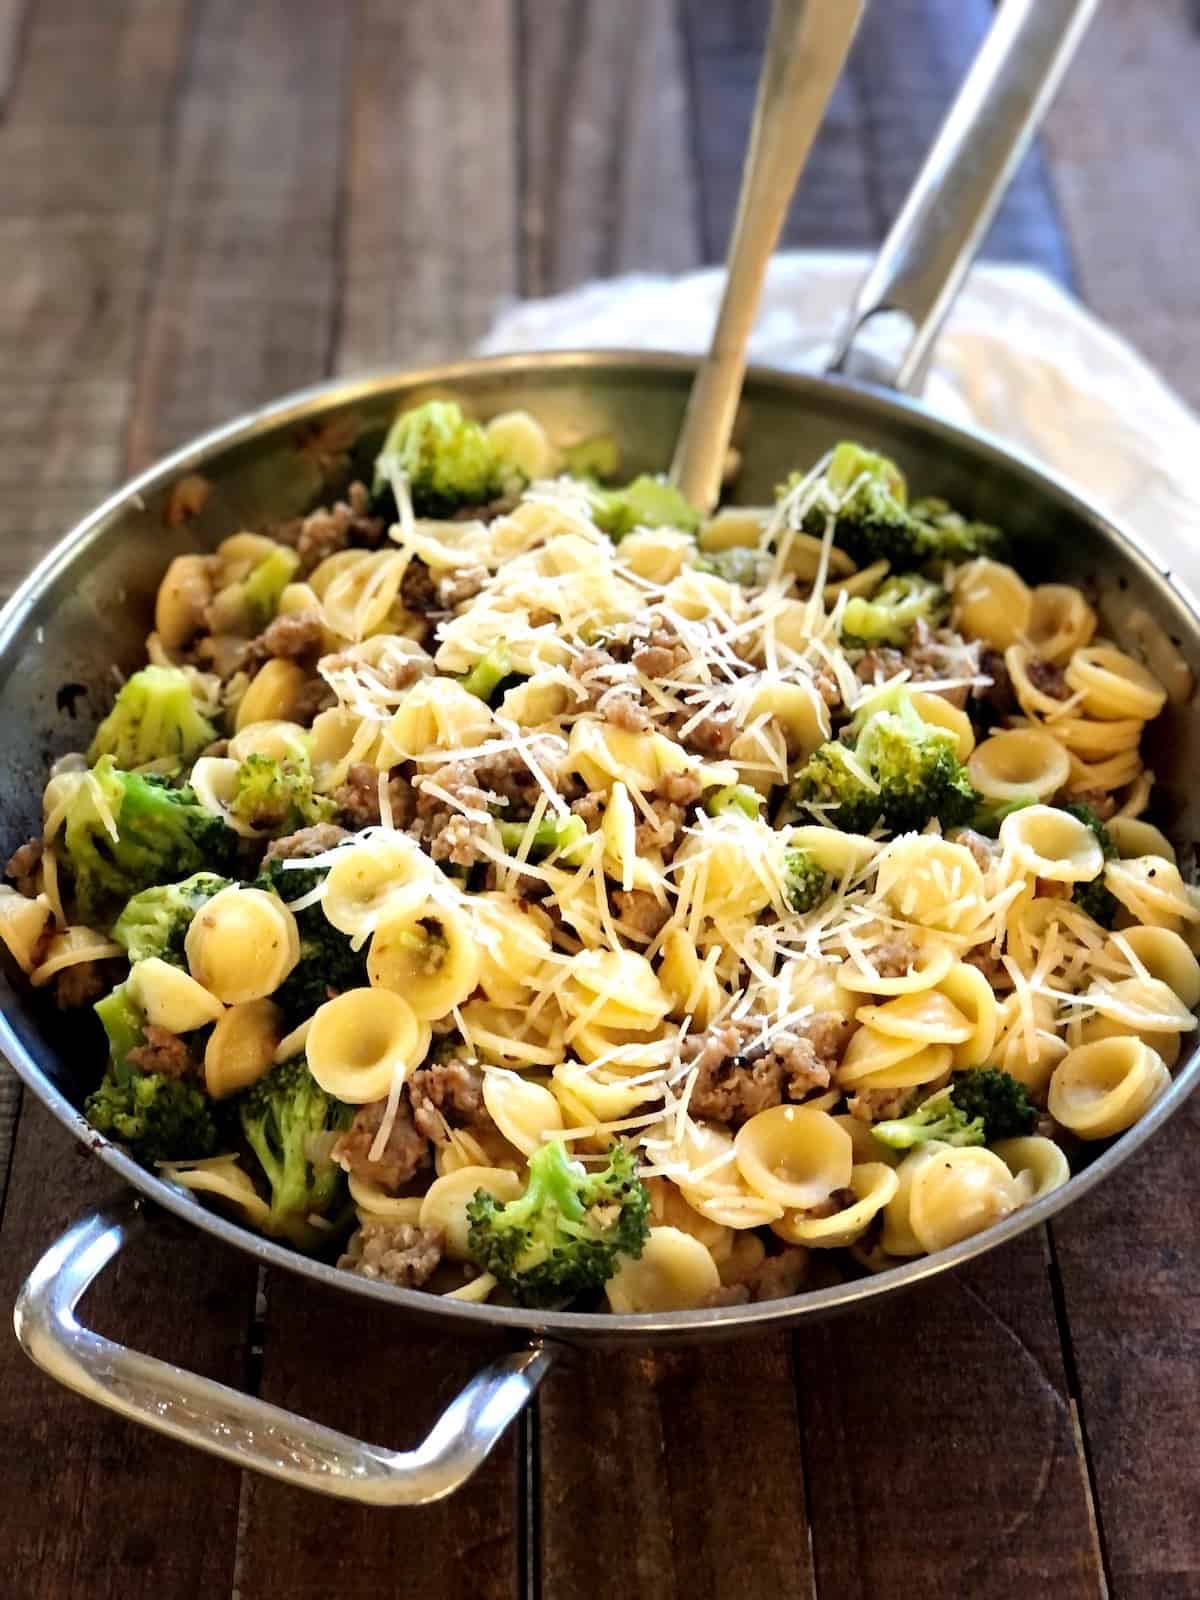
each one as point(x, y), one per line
point(207, 203)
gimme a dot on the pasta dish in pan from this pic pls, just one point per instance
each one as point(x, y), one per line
point(517, 887)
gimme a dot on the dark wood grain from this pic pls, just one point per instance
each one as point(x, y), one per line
point(365, 1371)
point(905, 65)
point(13, 14)
point(674, 1474)
point(244, 294)
point(941, 1445)
point(607, 182)
point(1130, 1262)
point(430, 188)
point(91, 1506)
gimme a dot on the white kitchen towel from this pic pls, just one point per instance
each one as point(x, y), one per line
point(1018, 357)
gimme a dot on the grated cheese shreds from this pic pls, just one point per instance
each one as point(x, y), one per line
point(638, 958)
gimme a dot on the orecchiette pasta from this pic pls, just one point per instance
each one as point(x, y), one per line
point(673, 1273)
point(242, 944)
point(1104, 1087)
point(362, 1042)
point(426, 950)
point(680, 876)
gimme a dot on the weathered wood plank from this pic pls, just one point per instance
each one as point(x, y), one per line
point(674, 1474)
point(362, 1369)
point(606, 175)
point(940, 1442)
point(79, 187)
point(906, 64)
point(242, 304)
point(90, 1506)
point(1127, 180)
point(12, 23)
point(1130, 1261)
point(428, 227)
point(430, 206)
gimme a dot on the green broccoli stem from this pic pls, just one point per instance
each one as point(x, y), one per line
point(735, 797)
point(486, 676)
point(562, 835)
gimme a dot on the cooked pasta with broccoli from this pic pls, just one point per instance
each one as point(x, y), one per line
point(515, 886)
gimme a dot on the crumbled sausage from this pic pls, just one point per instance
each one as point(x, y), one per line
point(661, 833)
point(295, 636)
point(162, 1052)
point(401, 1158)
point(620, 707)
point(681, 788)
point(640, 912)
point(418, 592)
point(357, 799)
point(312, 841)
point(23, 867)
point(894, 955)
point(332, 528)
point(997, 694)
point(445, 1095)
point(459, 586)
point(982, 848)
point(394, 1252)
point(84, 983)
point(712, 735)
point(316, 696)
point(1049, 679)
point(731, 1087)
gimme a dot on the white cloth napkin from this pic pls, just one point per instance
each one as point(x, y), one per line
point(1018, 357)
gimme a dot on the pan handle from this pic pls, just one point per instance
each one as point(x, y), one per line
point(989, 127)
point(237, 1427)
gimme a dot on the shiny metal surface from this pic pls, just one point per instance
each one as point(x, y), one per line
point(806, 51)
point(923, 260)
point(89, 604)
point(237, 1427)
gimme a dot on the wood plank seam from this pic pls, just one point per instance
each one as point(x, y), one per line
point(133, 450)
point(1062, 1317)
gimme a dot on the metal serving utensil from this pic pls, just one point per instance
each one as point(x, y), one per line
point(806, 50)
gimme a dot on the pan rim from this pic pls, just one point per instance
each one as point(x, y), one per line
point(573, 1326)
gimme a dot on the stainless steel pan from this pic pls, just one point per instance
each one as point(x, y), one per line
point(87, 605)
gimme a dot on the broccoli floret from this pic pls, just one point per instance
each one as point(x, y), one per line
point(489, 672)
point(805, 883)
point(647, 502)
point(276, 797)
point(162, 835)
point(1095, 898)
point(265, 583)
point(446, 459)
point(979, 1107)
point(327, 965)
point(281, 1115)
point(888, 617)
point(123, 1024)
point(998, 1099)
point(735, 797)
point(598, 458)
point(950, 536)
point(563, 835)
point(155, 718)
point(900, 771)
point(874, 521)
point(160, 1119)
point(564, 1235)
point(155, 921)
point(738, 564)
